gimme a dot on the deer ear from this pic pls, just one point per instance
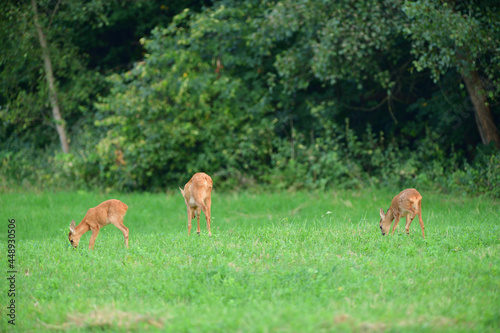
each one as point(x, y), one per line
point(72, 226)
point(182, 191)
point(382, 214)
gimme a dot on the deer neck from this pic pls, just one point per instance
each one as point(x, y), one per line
point(81, 228)
point(390, 214)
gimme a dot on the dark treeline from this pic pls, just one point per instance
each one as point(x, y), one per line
point(288, 94)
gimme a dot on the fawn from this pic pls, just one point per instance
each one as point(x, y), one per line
point(110, 211)
point(198, 197)
point(407, 203)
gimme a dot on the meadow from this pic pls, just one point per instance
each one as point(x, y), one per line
point(277, 262)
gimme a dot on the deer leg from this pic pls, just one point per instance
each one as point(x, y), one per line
point(197, 214)
point(124, 230)
point(208, 214)
point(206, 211)
point(119, 224)
point(189, 212)
point(396, 222)
point(421, 223)
point(95, 232)
point(409, 219)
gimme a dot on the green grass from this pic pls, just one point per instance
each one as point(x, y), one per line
point(281, 262)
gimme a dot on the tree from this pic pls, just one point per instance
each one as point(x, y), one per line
point(27, 121)
point(84, 39)
point(49, 74)
point(452, 35)
point(187, 106)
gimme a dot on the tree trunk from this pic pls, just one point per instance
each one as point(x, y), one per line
point(49, 74)
point(484, 118)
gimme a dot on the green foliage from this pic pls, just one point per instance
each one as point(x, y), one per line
point(481, 176)
point(25, 113)
point(334, 41)
point(175, 114)
point(286, 94)
point(347, 161)
point(32, 169)
point(455, 35)
point(301, 261)
point(82, 39)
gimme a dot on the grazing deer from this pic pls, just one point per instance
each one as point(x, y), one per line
point(110, 211)
point(198, 197)
point(407, 203)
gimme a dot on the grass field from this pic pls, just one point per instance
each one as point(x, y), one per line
point(281, 262)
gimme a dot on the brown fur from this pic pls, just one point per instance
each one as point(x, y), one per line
point(198, 197)
point(407, 203)
point(110, 211)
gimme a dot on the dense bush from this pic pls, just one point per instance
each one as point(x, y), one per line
point(339, 160)
point(290, 95)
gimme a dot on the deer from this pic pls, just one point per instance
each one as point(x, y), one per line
point(407, 203)
point(110, 211)
point(197, 195)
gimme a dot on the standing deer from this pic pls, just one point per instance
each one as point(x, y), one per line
point(407, 203)
point(198, 197)
point(110, 211)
